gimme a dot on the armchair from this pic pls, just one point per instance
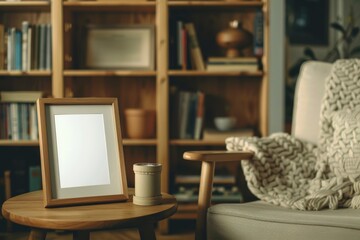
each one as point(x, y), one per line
point(259, 219)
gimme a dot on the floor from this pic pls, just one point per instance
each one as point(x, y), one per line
point(129, 234)
point(179, 230)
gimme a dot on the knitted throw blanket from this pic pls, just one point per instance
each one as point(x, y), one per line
point(292, 173)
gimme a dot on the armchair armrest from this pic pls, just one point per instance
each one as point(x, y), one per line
point(217, 156)
point(208, 159)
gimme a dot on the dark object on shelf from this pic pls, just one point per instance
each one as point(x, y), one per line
point(307, 21)
point(234, 39)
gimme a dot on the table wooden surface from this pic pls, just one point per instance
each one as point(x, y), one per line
point(28, 209)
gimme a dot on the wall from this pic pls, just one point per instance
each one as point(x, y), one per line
point(276, 65)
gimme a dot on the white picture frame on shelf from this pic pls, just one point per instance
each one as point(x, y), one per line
point(82, 158)
point(120, 47)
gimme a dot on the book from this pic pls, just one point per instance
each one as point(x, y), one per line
point(20, 96)
point(33, 125)
point(179, 46)
point(18, 50)
point(35, 47)
point(48, 48)
point(195, 50)
point(190, 125)
point(15, 121)
point(2, 46)
point(227, 60)
point(184, 103)
point(29, 47)
point(11, 49)
point(258, 40)
point(199, 115)
point(34, 178)
point(24, 45)
point(42, 47)
point(216, 135)
point(184, 49)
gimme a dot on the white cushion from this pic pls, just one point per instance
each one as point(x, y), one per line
point(309, 92)
point(260, 220)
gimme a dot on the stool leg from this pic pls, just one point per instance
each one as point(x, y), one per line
point(81, 235)
point(147, 231)
point(37, 234)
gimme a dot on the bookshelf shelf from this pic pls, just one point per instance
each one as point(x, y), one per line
point(139, 142)
point(110, 5)
point(239, 94)
point(195, 73)
point(23, 6)
point(26, 74)
point(108, 73)
point(215, 3)
point(20, 143)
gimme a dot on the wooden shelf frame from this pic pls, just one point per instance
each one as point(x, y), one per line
point(163, 75)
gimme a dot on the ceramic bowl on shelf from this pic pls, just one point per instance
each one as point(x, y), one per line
point(224, 123)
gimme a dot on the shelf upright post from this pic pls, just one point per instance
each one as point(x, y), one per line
point(57, 31)
point(162, 97)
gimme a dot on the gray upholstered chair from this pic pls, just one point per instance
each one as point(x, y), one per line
point(260, 220)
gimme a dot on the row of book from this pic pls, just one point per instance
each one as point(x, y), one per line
point(18, 121)
point(190, 114)
point(18, 115)
point(189, 54)
point(28, 48)
point(22, 180)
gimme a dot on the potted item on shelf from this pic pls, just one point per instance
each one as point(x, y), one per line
point(234, 38)
point(140, 123)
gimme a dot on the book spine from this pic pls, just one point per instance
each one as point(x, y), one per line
point(35, 48)
point(184, 100)
point(24, 44)
point(48, 47)
point(18, 50)
point(14, 120)
point(42, 47)
point(34, 178)
point(179, 29)
point(190, 126)
point(7, 183)
point(33, 123)
point(199, 115)
point(184, 44)
point(2, 120)
point(10, 46)
point(259, 34)
point(8, 121)
point(30, 47)
point(2, 46)
point(194, 46)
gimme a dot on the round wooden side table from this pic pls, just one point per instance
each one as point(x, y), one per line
point(28, 210)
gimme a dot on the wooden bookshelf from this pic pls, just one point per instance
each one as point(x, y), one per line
point(242, 94)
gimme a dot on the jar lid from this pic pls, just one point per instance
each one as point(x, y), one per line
point(147, 167)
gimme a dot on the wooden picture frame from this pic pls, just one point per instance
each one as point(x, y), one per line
point(120, 47)
point(82, 159)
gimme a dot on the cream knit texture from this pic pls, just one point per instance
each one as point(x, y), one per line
point(296, 174)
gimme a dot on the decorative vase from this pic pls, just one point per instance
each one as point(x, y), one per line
point(234, 38)
point(140, 123)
